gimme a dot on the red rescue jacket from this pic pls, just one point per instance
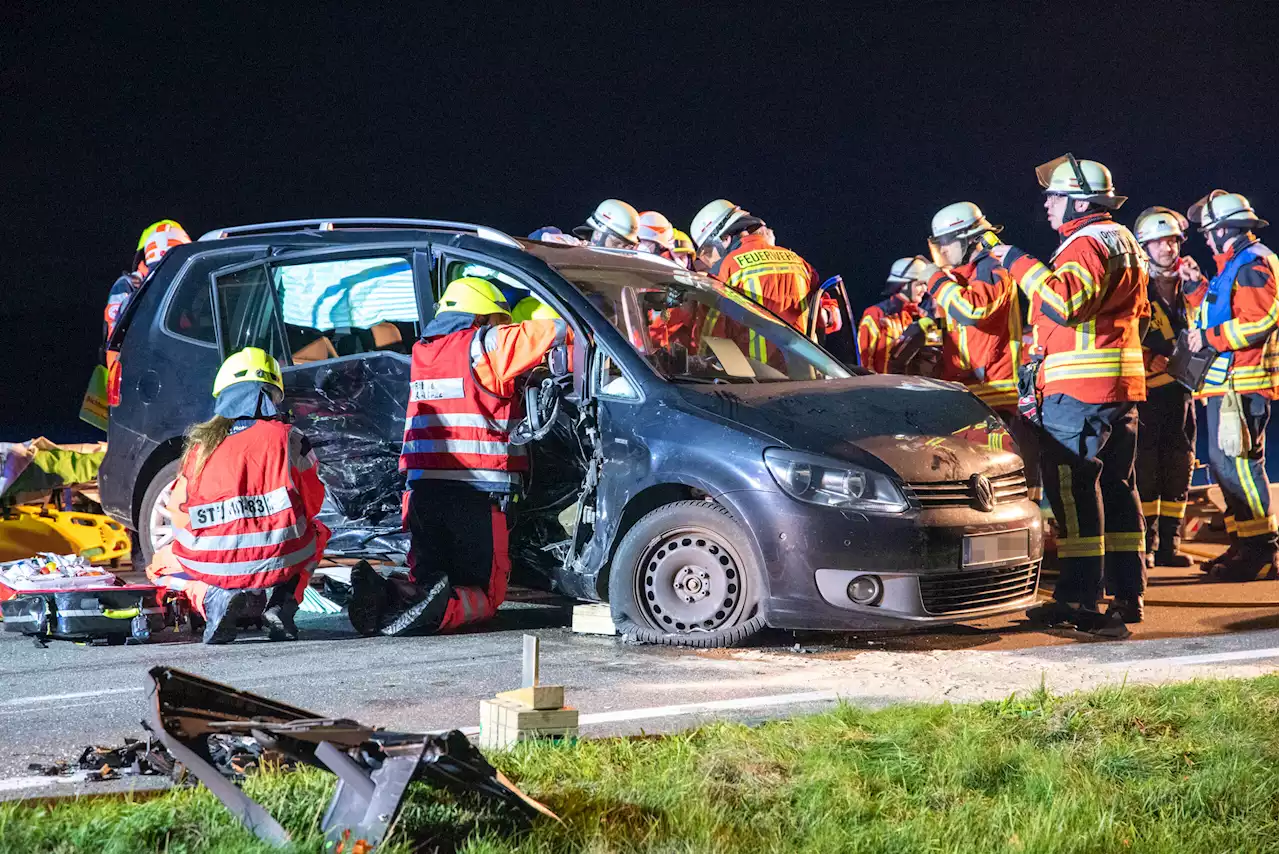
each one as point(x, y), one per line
point(777, 278)
point(1087, 311)
point(250, 512)
point(880, 328)
point(984, 329)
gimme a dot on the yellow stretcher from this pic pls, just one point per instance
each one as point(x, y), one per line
point(27, 529)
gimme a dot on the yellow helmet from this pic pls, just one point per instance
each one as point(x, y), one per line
point(250, 365)
point(473, 295)
point(532, 308)
point(154, 227)
point(683, 244)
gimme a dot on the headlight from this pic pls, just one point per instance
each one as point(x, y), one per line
point(833, 483)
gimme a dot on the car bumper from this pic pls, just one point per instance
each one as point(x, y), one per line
point(811, 554)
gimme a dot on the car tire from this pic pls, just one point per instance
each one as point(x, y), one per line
point(149, 519)
point(681, 578)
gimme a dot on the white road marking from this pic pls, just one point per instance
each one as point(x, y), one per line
point(27, 701)
point(1203, 658)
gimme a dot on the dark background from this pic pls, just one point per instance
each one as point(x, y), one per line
point(846, 127)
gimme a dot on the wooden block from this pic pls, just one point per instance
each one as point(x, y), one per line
point(504, 722)
point(537, 697)
point(593, 620)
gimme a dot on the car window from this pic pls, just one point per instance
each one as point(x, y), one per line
point(513, 289)
point(247, 309)
point(190, 312)
point(611, 380)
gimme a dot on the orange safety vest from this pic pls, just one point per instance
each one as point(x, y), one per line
point(249, 512)
point(880, 328)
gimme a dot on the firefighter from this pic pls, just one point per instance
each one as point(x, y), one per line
point(1087, 311)
point(1167, 418)
point(683, 249)
point(461, 468)
point(156, 239)
point(244, 507)
point(1235, 313)
point(613, 224)
point(883, 323)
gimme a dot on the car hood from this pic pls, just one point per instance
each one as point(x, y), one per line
point(923, 429)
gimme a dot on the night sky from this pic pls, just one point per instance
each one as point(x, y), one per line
point(844, 126)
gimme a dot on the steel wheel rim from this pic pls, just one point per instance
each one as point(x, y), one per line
point(690, 580)
point(162, 520)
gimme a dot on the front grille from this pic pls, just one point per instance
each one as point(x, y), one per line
point(958, 493)
point(955, 592)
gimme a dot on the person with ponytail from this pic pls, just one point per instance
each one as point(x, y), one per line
point(244, 507)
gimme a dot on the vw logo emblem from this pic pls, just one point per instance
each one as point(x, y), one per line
point(983, 493)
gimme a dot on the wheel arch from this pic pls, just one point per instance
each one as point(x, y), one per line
point(163, 454)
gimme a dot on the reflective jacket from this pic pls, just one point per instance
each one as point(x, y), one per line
point(463, 405)
point(1237, 311)
point(880, 328)
point(984, 329)
point(117, 298)
point(249, 514)
point(1167, 320)
point(1087, 312)
point(777, 278)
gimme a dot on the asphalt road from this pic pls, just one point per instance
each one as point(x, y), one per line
point(54, 701)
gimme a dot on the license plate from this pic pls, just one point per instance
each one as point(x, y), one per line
point(983, 549)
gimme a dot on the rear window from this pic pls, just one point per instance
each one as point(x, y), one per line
point(190, 312)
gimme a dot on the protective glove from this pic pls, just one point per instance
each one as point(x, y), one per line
point(1233, 435)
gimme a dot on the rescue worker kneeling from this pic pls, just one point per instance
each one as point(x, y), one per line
point(244, 505)
point(461, 468)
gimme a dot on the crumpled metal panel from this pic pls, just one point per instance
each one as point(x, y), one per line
point(352, 410)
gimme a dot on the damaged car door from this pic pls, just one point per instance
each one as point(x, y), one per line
point(342, 323)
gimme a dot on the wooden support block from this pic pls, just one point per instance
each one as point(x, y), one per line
point(505, 722)
point(537, 697)
point(593, 620)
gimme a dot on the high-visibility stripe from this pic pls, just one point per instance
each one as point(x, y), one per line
point(1081, 547)
point(1245, 473)
point(486, 476)
point(459, 419)
point(462, 446)
point(240, 507)
point(253, 567)
point(1125, 541)
point(1068, 502)
point(1256, 527)
point(1173, 509)
point(1230, 522)
point(229, 542)
point(1151, 508)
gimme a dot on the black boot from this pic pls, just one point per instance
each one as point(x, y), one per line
point(1167, 553)
point(421, 613)
point(280, 611)
point(1129, 610)
point(222, 611)
point(1052, 614)
point(370, 597)
point(1211, 565)
point(1247, 564)
point(1109, 625)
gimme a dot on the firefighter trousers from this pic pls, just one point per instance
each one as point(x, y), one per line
point(1087, 460)
point(1244, 479)
point(459, 533)
point(1166, 455)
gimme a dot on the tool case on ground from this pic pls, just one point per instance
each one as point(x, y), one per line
point(111, 613)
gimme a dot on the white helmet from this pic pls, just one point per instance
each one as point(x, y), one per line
point(1157, 222)
point(615, 217)
point(960, 221)
point(713, 219)
point(906, 270)
point(1084, 180)
point(656, 228)
point(1221, 209)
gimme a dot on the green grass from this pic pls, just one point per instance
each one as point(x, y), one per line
point(1180, 768)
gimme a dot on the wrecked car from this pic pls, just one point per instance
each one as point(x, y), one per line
point(702, 467)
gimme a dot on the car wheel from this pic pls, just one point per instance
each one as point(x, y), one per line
point(679, 578)
point(155, 525)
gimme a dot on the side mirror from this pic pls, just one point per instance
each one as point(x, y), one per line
point(558, 361)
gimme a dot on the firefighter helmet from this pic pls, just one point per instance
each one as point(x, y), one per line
point(656, 228)
point(159, 238)
point(1221, 209)
point(906, 270)
point(682, 243)
point(714, 219)
point(532, 308)
point(250, 365)
point(960, 221)
point(1083, 180)
point(1157, 222)
point(612, 216)
point(473, 295)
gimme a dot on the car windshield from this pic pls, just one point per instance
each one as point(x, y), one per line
point(691, 328)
